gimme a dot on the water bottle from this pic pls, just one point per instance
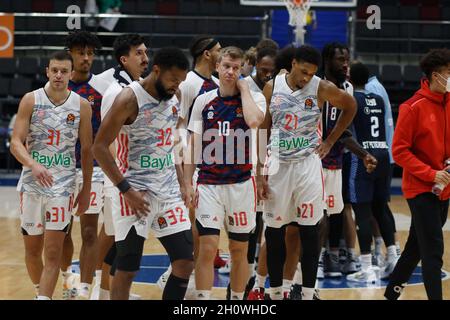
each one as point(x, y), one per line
point(438, 187)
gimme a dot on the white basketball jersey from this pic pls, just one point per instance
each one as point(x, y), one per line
point(252, 84)
point(145, 147)
point(51, 142)
point(295, 120)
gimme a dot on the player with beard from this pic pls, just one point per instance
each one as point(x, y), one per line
point(131, 54)
point(143, 117)
point(204, 50)
point(336, 64)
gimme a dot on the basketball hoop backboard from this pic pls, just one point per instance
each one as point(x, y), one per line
point(315, 4)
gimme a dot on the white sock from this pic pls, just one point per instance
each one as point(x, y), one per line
point(98, 277)
point(391, 251)
point(42, 298)
point(298, 277)
point(36, 289)
point(366, 261)
point(104, 294)
point(236, 295)
point(308, 293)
point(260, 281)
point(276, 293)
point(203, 294)
point(286, 286)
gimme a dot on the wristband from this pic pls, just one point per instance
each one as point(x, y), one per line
point(123, 186)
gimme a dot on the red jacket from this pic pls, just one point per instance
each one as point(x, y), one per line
point(422, 140)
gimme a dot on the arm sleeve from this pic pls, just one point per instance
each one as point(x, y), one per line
point(403, 143)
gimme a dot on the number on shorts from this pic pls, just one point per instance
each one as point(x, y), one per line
point(304, 209)
point(291, 118)
point(173, 217)
point(180, 211)
point(56, 213)
point(93, 199)
point(331, 201)
point(240, 219)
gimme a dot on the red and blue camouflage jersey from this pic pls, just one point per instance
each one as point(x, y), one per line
point(226, 143)
point(330, 114)
point(92, 90)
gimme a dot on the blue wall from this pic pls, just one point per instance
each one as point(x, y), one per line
point(331, 26)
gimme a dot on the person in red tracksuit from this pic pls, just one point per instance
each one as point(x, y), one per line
point(421, 146)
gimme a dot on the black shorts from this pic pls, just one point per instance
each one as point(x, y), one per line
point(202, 231)
point(362, 187)
point(179, 246)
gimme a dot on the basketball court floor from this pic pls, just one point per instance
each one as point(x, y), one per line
point(15, 283)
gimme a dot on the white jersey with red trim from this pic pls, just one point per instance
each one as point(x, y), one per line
point(145, 147)
point(296, 120)
point(51, 142)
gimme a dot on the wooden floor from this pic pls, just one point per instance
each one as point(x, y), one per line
point(15, 283)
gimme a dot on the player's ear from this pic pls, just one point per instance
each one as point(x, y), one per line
point(123, 60)
point(46, 72)
point(156, 70)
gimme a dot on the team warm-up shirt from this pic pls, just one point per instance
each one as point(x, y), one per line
point(330, 114)
point(296, 128)
point(92, 90)
point(193, 86)
point(226, 138)
point(145, 147)
point(368, 126)
point(51, 142)
point(118, 79)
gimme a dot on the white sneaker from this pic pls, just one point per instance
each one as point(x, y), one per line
point(378, 260)
point(163, 279)
point(389, 267)
point(371, 275)
point(226, 268)
point(69, 291)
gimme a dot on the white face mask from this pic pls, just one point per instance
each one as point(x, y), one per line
point(447, 85)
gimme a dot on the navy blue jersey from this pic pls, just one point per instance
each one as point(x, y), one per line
point(330, 114)
point(226, 143)
point(368, 126)
point(92, 90)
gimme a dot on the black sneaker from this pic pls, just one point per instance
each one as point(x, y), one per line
point(296, 292)
point(249, 286)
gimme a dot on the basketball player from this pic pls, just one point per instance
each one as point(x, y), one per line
point(292, 188)
point(204, 51)
point(131, 54)
point(369, 193)
point(81, 46)
point(49, 121)
point(143, 117)
point(335, 57)
point(225, 189)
